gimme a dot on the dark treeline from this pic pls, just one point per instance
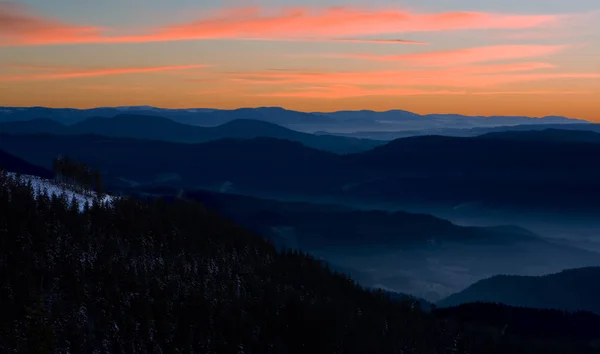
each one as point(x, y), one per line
point(528, 322)
point(158, 277)
point(77, 173)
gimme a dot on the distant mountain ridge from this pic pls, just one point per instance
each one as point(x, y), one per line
point(398, 244)
point(158, 128)
point(11, 163)
point(178, 277)
point(422, 169)
point(430, 170)
point(579, 136)
point(570, 290)
point(466, 132)
point(341, 122)
point(340, 226)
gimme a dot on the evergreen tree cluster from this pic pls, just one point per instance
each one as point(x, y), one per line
point(77, 173)
point(524, 322)
point(173, 277)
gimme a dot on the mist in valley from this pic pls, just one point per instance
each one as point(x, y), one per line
point(435, 272)
point(552, 241)
point(300, 177)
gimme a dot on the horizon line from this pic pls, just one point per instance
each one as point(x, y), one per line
point(294, 110)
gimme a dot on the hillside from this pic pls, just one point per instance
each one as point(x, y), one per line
point(34, 126)
point(429, 171)
point(12, 163)
point(466, 132)
point(571, 290)
point(193, 116)
point(72, 194)
point(398, 251)
point(262, 165)
point(450, 171)
point(274, 115)
point(557, 135)
point(156, 276)
point(159, 128)
point(538, 324)
point(319, 226)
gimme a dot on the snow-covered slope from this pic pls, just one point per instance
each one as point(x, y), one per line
point(55, 188)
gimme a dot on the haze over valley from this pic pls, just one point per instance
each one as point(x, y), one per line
point(423, 215)
point(281, 177)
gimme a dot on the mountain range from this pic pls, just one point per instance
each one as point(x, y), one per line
point(11, 163)
point(533, 323)
point(402, 252)
point(569, 290)
point(465, 132)
point(174, 275)
point(340, 122)
point(246, 231)
point(159, 128)
point(551, 134)
point(410, 253)
point(429, 171)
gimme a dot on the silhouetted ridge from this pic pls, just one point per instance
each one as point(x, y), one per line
point(559, 135)
point(432, 170)
point(318, 121)
point(429, 150)
point(267, 144)
point(134, 126)
point(540, 324)
point(318, 226)
point(268, 165)
point(157, 276)
point(34, 126)
point(153, 127)
point(252, 124)
point(126, 119)
point(12, 163)
point(571, 290)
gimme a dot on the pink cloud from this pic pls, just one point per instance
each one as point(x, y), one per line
point(382, 77)
point(339, 22)
point(36, 67)
point(20, 27)
point(376, 41)
point(545, 34)
point(347, 91)
point(79, 73)
point(537, 92)
point(113, 88)
point(469, 55)
point(496, 80)
point(461, 77)
point(571, 25)
point(221, 91)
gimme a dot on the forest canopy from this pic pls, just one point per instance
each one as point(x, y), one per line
point(153, 276)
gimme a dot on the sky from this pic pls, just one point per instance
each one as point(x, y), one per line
point(509, 57)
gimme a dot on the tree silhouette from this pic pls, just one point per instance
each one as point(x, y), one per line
point(151, 276)
point(78, 174)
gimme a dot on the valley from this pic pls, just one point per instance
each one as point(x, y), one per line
point(424, 217)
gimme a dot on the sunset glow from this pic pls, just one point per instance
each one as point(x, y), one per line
point(465, 59)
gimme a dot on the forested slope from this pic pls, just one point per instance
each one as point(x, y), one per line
point(158, 277)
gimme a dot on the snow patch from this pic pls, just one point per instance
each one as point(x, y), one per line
point(55, 188)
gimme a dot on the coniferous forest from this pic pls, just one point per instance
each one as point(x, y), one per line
point(154, 276)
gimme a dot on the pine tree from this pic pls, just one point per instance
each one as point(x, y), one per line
point(156, 276)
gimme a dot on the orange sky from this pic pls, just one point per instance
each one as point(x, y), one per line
point(310, 59)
